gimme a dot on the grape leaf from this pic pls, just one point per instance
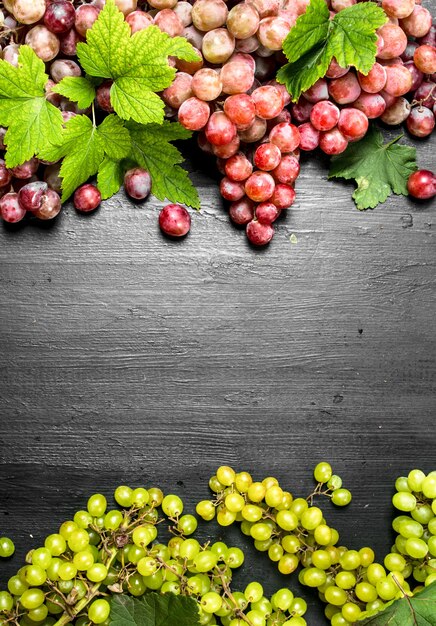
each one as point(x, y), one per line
point(84, 148)
point(152, 150)
point(137, 64)
point(315, 39)
point(378, 169)
point(418, 610)
point(34, 125)
point(110, 177)
point(154, 609)
point(78, 89)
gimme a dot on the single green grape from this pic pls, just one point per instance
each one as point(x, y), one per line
point(205, 561)
point(345, 580)
point(211, 602)
point(35, 575)
point(32, 598)
point(416, 548)
point(187, 524)
point(226, 475)
point(402, 484)
point(41, 557)
point(322, 472)
point(256, 492)
point(83, 560)
point(206, 510)
point(394, 562)
point(274, 496)
point(172, 505)
point(7, 547)
point(415, 480)
point(224, 517)
point(366, 592)
point(6, 601)
point(404, 501)
point(234, 557)
point(98, 611)
point(97, 572)
point(311, 518)
point(253, 592)
point(243, 480)
point(288, 563)
point(234, 502)
point(334, 482)
point(39, 614)
point(83, 519)
point(341, 497)
point(96, 505)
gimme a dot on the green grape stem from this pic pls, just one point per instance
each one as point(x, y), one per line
point(93, 591)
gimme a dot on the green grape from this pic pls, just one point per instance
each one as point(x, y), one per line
point(422, 514)
point(428, 487)
point(82, 519)
point(287, 520)
point(351, 612)
point(156, 496)
point(174, 575)
point(334, 554)
point(331, 610)
point(79, 590)
point(67, 571)
point(322, 472)
point(404, 501)
point(123, 496)
point(402, 484)
point(147, 566)
point(336, 596)
point(234, 502)
point(263, 605)
point(311, 518)
point(206, 510)
point(78, 540)
point(275, 552)
point(263, 546)
point(55, 544)
point(410, 528)
point(274, 496)
point(187, 524)
point(253, 592)
point(397, 521)
point(242, 481)
point(377, 605)
point(39, 614)
point(295, 621)
point(154, 581)
point(433, 506)
point(298, 606)
point(137, 585)
point(345, 580)
point(339, 620)
point(252, 512)
point(94, 537)
point(416, 548)
point(96, 505)
point(323, 535)
point(54, 603)
point(83, 560)
point(291, 544)
point(386, 589)
point(219, 548)
point(256, 492)
point(67, 528)
point(367, 556)
point(400, 544)
point(7, 547)
point(41, 557)
point(350, 560)
point(205, 561)
point(140, 497)
point(366, 592)
point(256, 618)
point(334, 482)
point(394, 562)
point(282, 599)
point(314, 577)
point(172, 505)
point(234, 557)
point(288, 564)
point(226, 475)
point(211, 602)
point(415, 479)
point(113, 519)
point(144, 535)
point(35, 575)
point(215, 485)
point(341, 497)
point(321, 559)
point(6, 601)
point(432, 545)
point(269, 481)
point(329, 581)
point(96, 573)
point(189, 549)
point(261, 531)
point(298, 506)
point(171, 587)
point(98, 611)
point(431, 578)
point(32, 598)
point(225, 517)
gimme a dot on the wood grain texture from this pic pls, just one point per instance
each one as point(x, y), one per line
point(126, 357)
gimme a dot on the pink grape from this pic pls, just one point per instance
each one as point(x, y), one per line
point(398, 80)
point(61, 68)
point(259, 186)
point(309, 137)
point(26, 169)
point(60, 16)
point(240, 109)
point(69, 41)
point(287, 170)
point(301, 110)
point(209, 14)
point(426, 94)
point(50, 206)
point(283, 196)
point(319, 91)
point(267, 157)
point(193, 114)
point(139, 20)
point(285, 136)
point(259, 234)
point(353, 124)
point(86, 15)
point(345, 89)
point(137, 183)
point(10, 209)
point(30, 196)
point(425, 59)
point(127, 6)
point(418, 23)
point(266, 212)
point(206, 84)
point(333, 142)
point(238, 167)
point(268, 101)
point(169, 22)
point(374, 81)
point(273, 31)
point(324, 115)
point(87, 198)
point(218, 45)
point(236, 77)
point(398, 8)
point(174, 220)
point(266, 7)
point(242, 211)
point(43, 42)
point(243, 21)
point(335, 70)
point(417, 75)
point(10, 54)
point(394, 41)
point(422, 184)
point(5, 174)
point(219, 129)
point(183, 10)
point(227, 150)
point(254, 132)
point(372, 104)
point(397, 113)
point(420, 122)
point(231, 189)
point(28, 12)
point(179, 90)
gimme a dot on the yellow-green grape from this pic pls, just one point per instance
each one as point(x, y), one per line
point(206, 510)
point(345, 580)
point(156, 496)
point(275, 552)
point(339, 620)
point(189, 549)
point(286, 502)
point(428, 487)
point(331, 610)
point(67, 528)
point(78, 540)
point(351, 612)
point(187, 524)
point(341, 497)
point(123, 496)
point(416, 548)
point(135, 553)
point(288, 563)
point(243, 480)
point(172, 505)
point(366, 592)
point(261, 531)
point(335, 537)
point(255, 618)
point(41, 557)
point(415, 479)
point(16, 586)
point(98, 611)
point(269, 481)
point(432, 545)
point(394, 562)
point(113, 519)
point(140, 497)
point(367, 556)
point(211, 602)
point(298, 506)
point(215, 485)
point(298, 607)
point(334, 482)
point(39, 614)
point(97, 572)
point(252, 512)
point(431, 578)
point(52, 570)
point(336, 596)
point(287, 520)
point(291, 544)
point(153, 582)
point(6, 601)
point(97, 504)
point(32, 598)
point(256, 492)
point(35, 575)
point(314, 577)
point(226, 475)
point(322, 472)
point(311, 518)
point(386, 589)
point(350, 560)
point(274, 495)
point(225, 517)
point(219, 548)
point(321, 559)
point(422, 514)
point(402, 484)
point(144, 535)
point(147, 566)
point(334, 554)
point(404, 501)
point(234, 557)
point(83, 519)
point(205, 561)
point(377, 605)
point(83, 560)
point(253, 592)
point(410, 528)
point(234, 502)
point(323, 535)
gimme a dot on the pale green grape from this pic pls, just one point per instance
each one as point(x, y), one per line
point(404, 501)
point(98, 611)
point(226, 475)
point(32, 598)
point(416, 548)
point(41, 557)
point(97, 572)
point(415, 479)
point(341, 497)
point(96, 505)
point(322, 472)
point(206, 510)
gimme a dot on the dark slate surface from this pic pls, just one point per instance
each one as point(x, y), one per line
point(127, 357)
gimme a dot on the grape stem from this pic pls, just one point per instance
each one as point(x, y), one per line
point(68, 617)
point(231, 597)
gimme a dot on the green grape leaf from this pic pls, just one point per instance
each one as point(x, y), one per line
point(110, 177)
point(315, 39)
point(379, 169)
point(418, 610)
point(85, 147)
point(137, 64)
point(152, 150)
point(353, 38)
point(153, 609)
point(78, 89)
point(34, 125)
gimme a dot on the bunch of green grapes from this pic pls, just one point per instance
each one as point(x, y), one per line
point(295, 535)
point(100, 551)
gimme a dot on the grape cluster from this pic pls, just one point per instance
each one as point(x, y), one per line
point(243, 116)
point(295, 535)
point(101, 551)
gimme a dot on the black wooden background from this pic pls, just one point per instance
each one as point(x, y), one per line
point(129, 358)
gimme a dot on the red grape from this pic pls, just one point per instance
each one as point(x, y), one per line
point(266, 212)
point(420, 122)
point(137, 183)
point(422, 184)
point(324, 115)
point(30, 196)
point(10, 209)
point(174, 220)
point(267, 157)
point(60, 16)
point(242, 211)
point(259, 234)
point(259, 186)
point(87, 198)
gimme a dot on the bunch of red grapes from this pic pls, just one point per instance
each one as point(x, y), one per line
point(230, 96)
